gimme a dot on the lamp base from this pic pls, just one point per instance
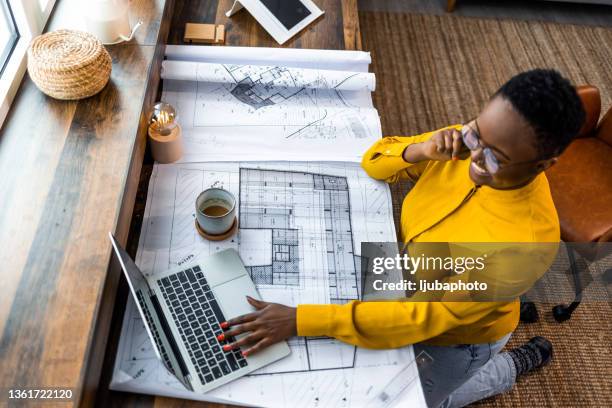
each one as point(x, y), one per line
point(166, 149)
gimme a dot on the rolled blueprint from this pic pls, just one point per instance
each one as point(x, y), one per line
point(268, 76)
point(287, 57)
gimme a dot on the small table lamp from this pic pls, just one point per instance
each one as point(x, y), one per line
point(165, 134)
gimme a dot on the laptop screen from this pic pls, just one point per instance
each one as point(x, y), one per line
point(129, 267)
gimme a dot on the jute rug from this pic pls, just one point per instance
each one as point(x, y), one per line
point(438, 70)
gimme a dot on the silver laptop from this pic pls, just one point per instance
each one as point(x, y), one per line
point(182, 309)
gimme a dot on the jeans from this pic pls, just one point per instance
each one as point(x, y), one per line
point(462, 374)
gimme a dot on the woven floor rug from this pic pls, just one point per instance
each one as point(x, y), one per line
point(438, 70)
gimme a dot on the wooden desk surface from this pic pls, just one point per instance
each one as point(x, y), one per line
point(69, 173)
point(337, 29)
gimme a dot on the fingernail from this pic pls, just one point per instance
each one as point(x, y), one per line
point(455, 158)
point(224, 325)
point(244, 354)
point(221, 337)
point(227, 347)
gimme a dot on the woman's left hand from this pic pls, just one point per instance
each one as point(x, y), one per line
point(269, 324)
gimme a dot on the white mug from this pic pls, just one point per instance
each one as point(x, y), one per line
point(108, 20)
point(216, 224)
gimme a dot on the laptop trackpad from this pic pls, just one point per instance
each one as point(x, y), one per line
point(222, 267)
point(232, 296)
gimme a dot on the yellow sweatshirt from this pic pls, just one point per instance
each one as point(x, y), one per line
point(443, 206)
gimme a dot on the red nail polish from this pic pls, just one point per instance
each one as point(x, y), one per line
point(455, 158)
point(221, 337)
point(244, 354)
point(227, 347)
point(224, 325)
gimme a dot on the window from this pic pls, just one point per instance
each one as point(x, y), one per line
point(20, 21)
point(8, 33)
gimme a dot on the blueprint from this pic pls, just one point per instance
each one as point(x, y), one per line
point(357, 61)
point(300, 229)
point(233, 111)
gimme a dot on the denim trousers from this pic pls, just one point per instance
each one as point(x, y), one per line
point(456, 376)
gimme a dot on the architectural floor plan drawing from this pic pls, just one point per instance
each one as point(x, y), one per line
point(272, 112)
point(279, 206)
point(301, 225)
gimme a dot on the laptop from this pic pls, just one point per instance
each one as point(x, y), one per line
point(182, 310)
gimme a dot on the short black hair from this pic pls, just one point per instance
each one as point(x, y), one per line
point(550, 104)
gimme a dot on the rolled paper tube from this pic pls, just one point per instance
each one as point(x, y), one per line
point(166, 149)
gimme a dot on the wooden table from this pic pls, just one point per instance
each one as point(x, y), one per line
point(69, 173)
point(337, 29)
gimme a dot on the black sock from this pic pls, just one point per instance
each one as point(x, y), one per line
point(526, 358)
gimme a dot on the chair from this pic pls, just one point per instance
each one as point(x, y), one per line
point(581, 180)
point(581, 186)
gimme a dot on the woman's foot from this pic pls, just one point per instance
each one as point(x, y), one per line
point(534, 354)
point(529, 312)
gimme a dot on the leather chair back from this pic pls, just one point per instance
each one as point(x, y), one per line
point(591, 100)
point(604, 130)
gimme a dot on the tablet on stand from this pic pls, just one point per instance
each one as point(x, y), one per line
point(282, 19)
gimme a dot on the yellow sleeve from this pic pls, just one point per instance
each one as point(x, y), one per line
point(384, 161)
point(379, 325)
point(511, 270)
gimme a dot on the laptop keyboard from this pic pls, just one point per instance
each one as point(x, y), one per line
point(198, 316)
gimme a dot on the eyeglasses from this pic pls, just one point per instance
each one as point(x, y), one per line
point(471, 139)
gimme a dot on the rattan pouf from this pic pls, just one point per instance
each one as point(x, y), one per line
point(69, 64)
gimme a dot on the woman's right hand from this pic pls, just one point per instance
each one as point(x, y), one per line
point(445, 145)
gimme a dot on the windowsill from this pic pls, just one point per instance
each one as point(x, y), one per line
point(69, 172)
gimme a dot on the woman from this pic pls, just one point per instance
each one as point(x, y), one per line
point(478, 182)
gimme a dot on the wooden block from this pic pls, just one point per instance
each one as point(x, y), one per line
point(204, 33)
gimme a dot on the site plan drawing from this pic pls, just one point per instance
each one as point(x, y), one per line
point(268, 75)
point(300, 229)
point(273, 112)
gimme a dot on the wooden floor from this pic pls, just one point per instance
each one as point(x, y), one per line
point(560, 12)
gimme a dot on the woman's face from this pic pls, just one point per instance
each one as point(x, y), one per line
point(512, 142)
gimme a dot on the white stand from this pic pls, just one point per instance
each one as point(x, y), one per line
point(236, 7)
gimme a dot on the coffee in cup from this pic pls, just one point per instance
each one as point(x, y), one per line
point(215, 211)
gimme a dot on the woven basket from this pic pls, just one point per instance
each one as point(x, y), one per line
point(68, 64)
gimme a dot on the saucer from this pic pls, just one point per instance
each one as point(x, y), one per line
point(218, 237)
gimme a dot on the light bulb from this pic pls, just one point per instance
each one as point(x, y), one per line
point(163, 119)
